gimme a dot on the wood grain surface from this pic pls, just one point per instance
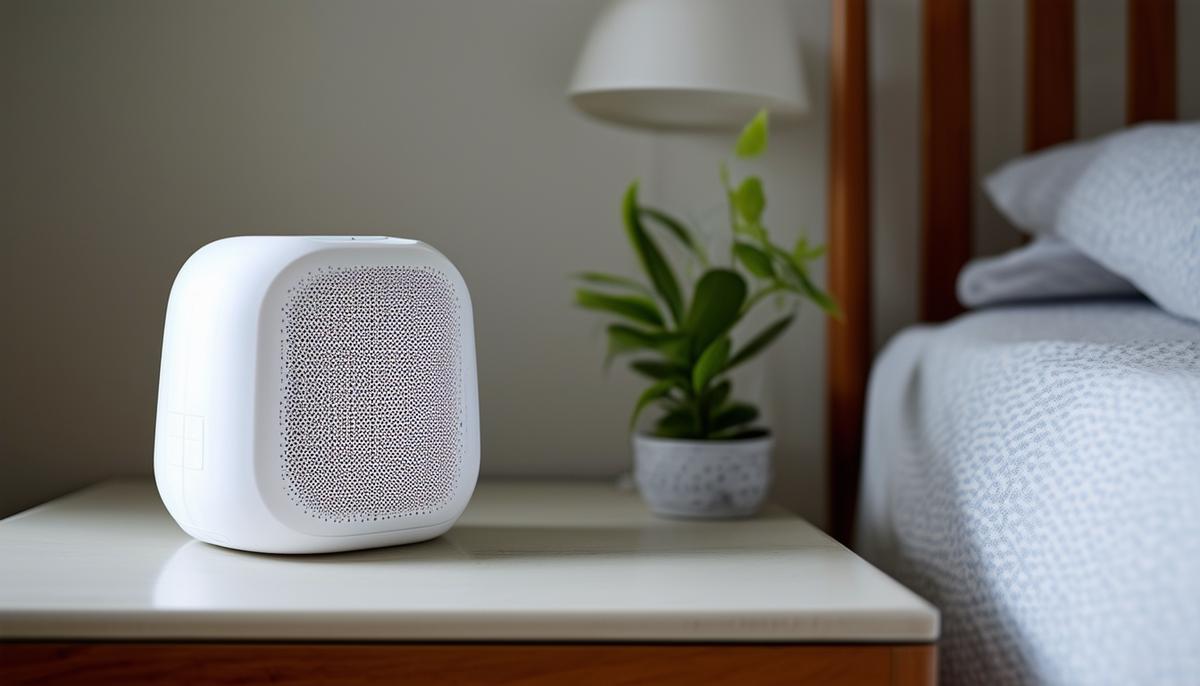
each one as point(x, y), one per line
point(135, 664)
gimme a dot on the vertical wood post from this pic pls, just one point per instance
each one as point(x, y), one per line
point(1049, 72)
point(1151, 61)
point(849, 340)
point(946, 179)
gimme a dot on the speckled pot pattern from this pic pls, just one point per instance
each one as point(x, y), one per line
point(702, 479)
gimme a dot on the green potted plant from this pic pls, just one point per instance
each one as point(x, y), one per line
point(705, 455)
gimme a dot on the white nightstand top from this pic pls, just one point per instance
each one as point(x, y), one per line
point(529, 561)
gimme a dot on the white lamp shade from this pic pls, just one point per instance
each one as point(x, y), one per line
point(690, 64)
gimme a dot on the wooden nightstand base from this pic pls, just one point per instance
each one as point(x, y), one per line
point(435, 664)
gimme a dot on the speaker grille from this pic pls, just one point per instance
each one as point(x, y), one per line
point(371, 415)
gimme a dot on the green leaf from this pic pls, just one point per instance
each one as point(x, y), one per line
point(673, 345)
point(820, 297)
point(677, 423)
point(752, 230)
point(803, 252)
point(709, 402)
point(815, 252)
point(719, 394)
point(733, 415)
point(801, 246)
point(651, 258)
point(660, 370)
point(600, 279)
point(753, 139)
point(677, 349)
point(711, 362)
point(760, 341)
point(623, 339)
point(655, 392)
point(637, 308)
point(797, 279)
point(716, 306)
point(794, 270)
point(751, 200)
point(676, 227)
point(755, 260)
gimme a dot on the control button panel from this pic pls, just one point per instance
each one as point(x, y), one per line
point(185, 440)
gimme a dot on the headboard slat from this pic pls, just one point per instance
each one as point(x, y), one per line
point(1049, 72)
point(848, 349)
point(946, 190)
point(1151, 61)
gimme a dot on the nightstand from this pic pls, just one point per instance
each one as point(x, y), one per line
point(540, 582)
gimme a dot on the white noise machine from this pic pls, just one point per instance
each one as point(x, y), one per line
point(318, 393)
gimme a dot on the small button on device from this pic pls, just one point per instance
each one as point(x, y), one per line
point(193, 442)
point(193, 428)
point(175, 424)
point(173, 441)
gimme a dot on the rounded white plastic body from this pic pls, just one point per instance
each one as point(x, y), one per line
point(218, 454)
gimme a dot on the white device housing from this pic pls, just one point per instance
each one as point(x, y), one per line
point(317, 394)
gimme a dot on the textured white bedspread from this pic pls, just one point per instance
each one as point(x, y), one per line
point(1034, 471)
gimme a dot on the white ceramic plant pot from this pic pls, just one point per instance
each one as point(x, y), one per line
point(702, 479)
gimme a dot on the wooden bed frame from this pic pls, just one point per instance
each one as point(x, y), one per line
point(946, 178)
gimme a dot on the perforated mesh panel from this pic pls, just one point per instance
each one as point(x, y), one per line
point(371, 415)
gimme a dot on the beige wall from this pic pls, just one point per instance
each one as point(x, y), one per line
point(131, 133)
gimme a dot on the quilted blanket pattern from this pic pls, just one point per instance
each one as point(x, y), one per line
point(1035, 473)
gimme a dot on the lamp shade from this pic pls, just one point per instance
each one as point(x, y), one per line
point(690, 64)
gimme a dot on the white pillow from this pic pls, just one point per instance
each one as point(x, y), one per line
point(1047, 268)
point(1029, 191)
point(1136, 210)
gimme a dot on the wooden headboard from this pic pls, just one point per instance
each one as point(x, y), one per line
point(946, 176)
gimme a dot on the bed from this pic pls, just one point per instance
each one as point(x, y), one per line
point(1035, 471)
point(1032, 469)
